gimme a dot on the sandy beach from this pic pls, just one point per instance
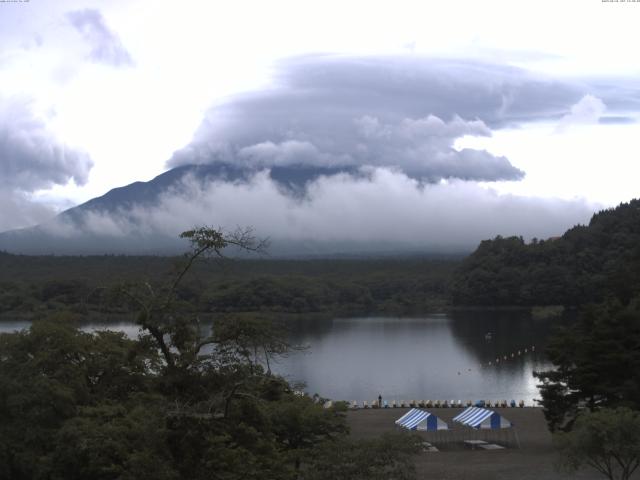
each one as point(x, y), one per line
point(533, 460)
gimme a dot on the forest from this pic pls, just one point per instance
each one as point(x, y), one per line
point(180, 403)
point(587, 264)
point(176, 402)
point(38, 285)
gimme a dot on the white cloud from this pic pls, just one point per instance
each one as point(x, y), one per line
point(385, 210)
point(587, 111)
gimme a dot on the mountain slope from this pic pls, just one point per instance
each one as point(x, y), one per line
point(67, 233)
point(587, 264)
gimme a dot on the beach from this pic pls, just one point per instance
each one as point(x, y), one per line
point(533, 460)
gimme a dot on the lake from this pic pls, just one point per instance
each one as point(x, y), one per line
point(431, 357)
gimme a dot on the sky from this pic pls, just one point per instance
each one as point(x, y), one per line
point(519, 115)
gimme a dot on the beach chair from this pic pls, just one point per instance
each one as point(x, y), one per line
point(354, 405)
point(374, 404)
point(393, 404)
point(413, 404)
point(512, 403)
point(421, 403)
point(365, 404)
point(385, 404)
point(469, 403)
point(437, 404)
point(521, 404)
point(445, 404)
point(429, 404)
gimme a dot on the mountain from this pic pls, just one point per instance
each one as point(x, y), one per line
point(67, 233)
point(585, 265)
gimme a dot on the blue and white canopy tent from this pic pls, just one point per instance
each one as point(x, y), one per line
point(416, 419)
point(486, 420)
point(482, 418)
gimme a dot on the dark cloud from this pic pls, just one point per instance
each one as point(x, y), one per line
point(105, 45)
point(616, 120)
point(403, 112)
point(31, 159)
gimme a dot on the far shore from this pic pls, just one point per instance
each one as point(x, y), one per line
point(533, 460)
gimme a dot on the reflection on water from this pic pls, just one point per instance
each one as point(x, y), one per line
point(434, 357)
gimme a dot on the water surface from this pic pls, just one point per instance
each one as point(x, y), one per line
point(431, 357)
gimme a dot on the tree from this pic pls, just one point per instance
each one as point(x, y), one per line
point(388, 457)
point(607, 440)
point(177, 336)
point(180, 401)
point(595, 362)
point(52, 373)
point(299, 424)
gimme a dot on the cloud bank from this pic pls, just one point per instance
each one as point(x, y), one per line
point(402, 112)
point(385, 210)
point(31, 158)
point(381, 134)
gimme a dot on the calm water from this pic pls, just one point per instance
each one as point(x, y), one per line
point(433, 357)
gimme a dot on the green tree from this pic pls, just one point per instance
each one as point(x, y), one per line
point(48, 375)
point(596, 364)
point(607, 440)
point(300, 423)
point(388, 457)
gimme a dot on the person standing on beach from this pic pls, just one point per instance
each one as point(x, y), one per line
point(379, 401)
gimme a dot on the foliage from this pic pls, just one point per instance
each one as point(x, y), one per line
point(388, 457)
point(587, 264)
point(596, 364)
point(607, 440)
point(48, 375)
point(180, 401)
point(37, 286)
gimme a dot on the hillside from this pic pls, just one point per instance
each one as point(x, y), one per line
point(74, 231)
point(34, 286)
point(585, 265)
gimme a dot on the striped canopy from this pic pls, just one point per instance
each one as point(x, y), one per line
point(476, 417)
point(416, 419)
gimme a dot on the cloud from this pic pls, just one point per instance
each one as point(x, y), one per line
point(588, 110)
point(31, 158)
point(386, 210)
point(105, 46)
point(403, 112)
point(19, 210)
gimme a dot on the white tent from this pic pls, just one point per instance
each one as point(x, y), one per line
point(416, 419)
point(481, 418)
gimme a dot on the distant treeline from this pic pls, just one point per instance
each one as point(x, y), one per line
point(588, 264)
point(34, 285)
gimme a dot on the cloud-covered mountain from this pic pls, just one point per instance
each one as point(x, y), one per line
point(303, 210)
point(340, 154)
